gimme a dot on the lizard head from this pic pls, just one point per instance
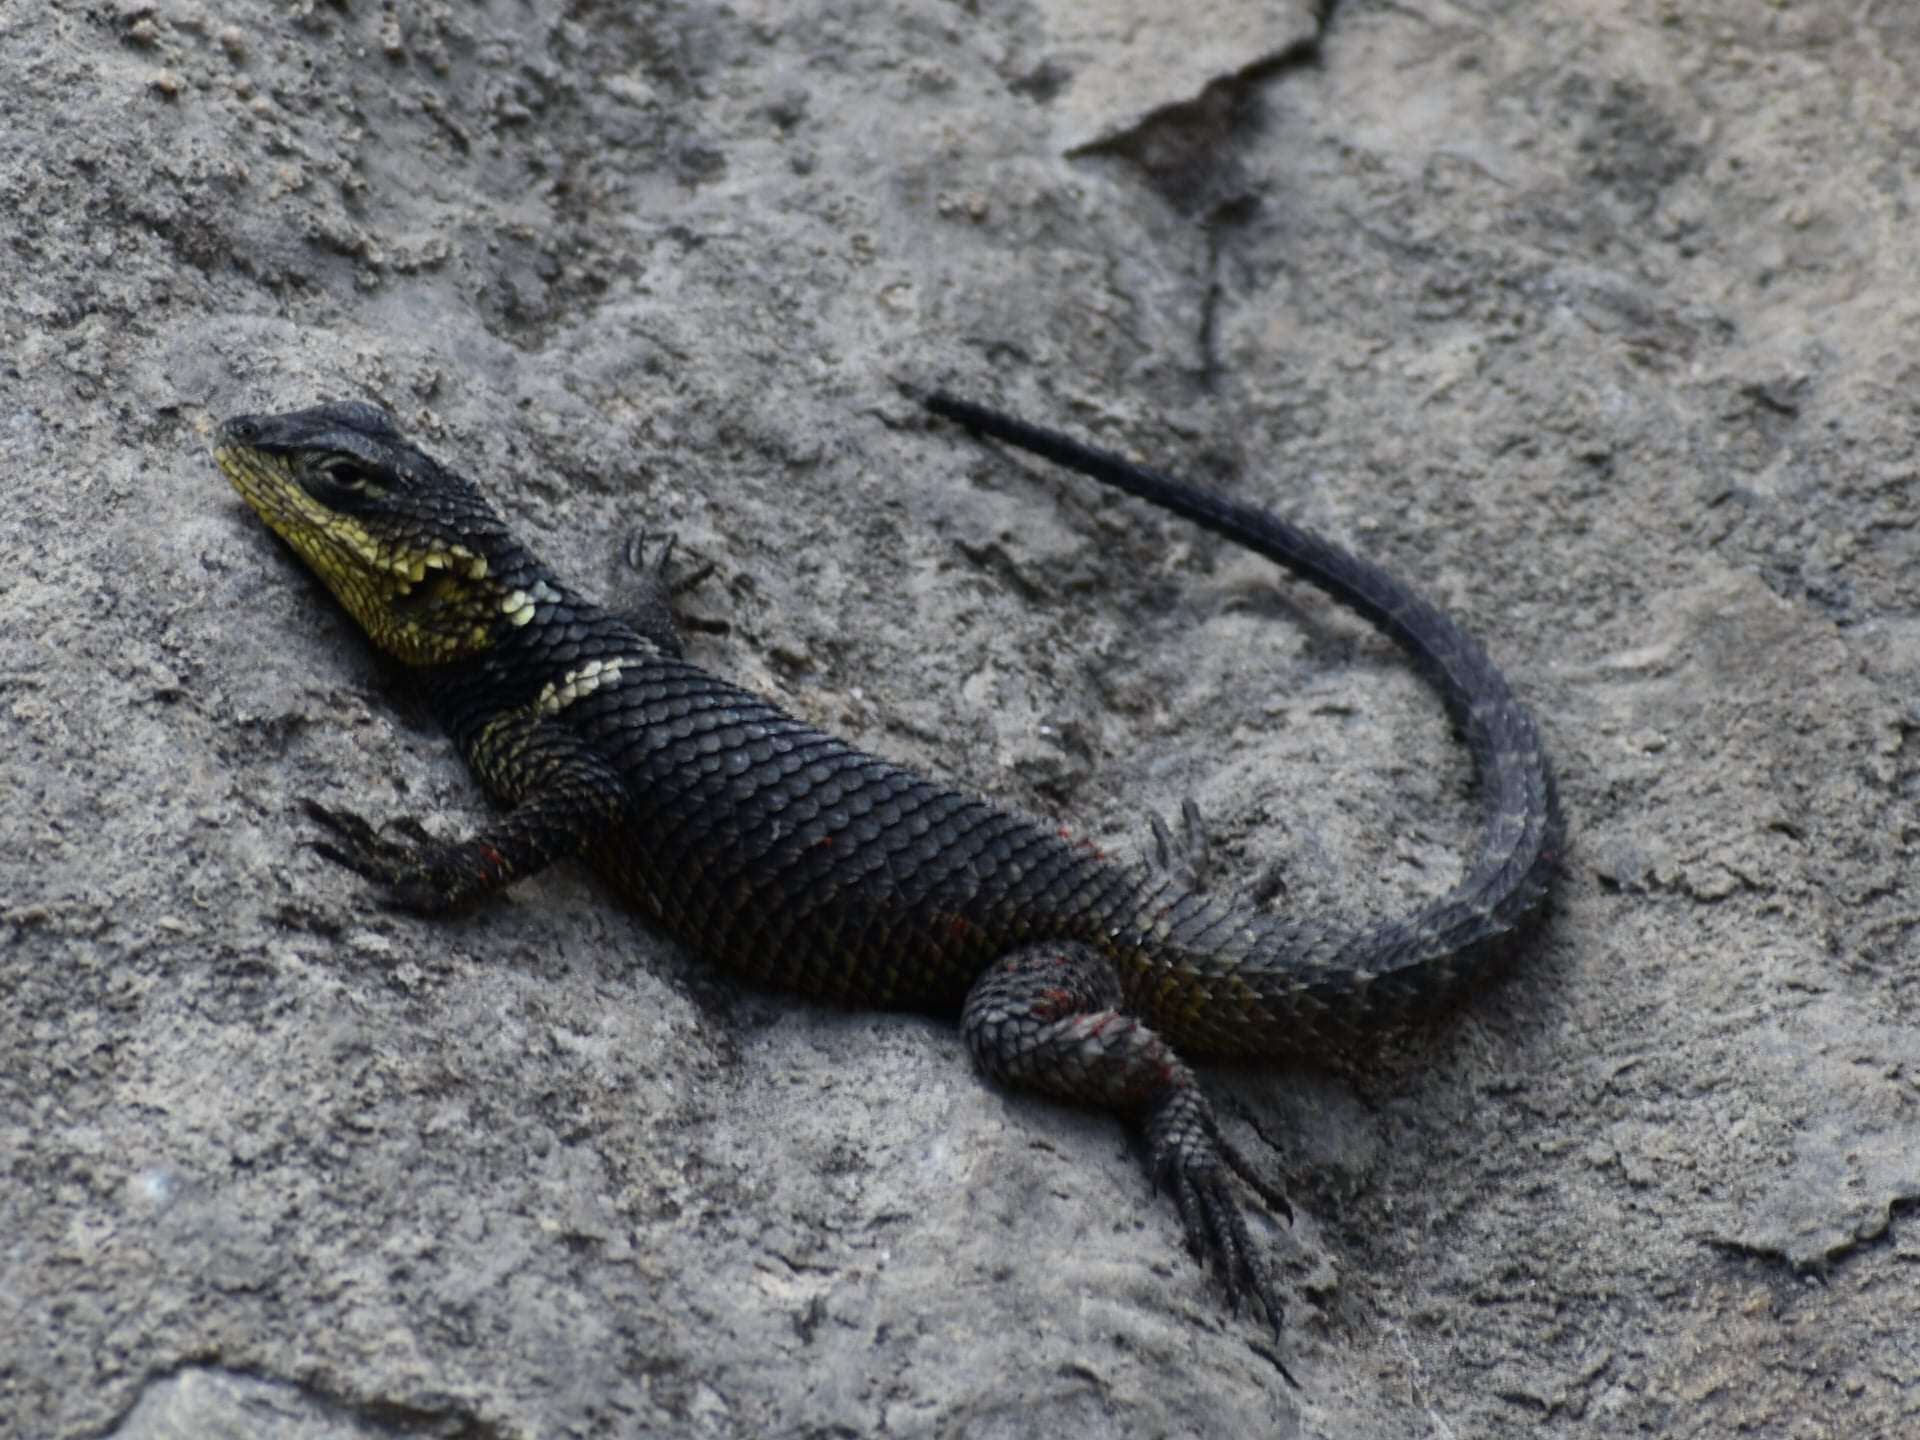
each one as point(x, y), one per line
point(412, 550)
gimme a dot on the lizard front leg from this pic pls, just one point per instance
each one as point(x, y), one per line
point(564, 798)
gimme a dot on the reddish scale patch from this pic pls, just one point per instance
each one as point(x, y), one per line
point(1128, 1087)
point(1082, 844)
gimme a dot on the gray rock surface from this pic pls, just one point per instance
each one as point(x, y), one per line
point(1597, 318)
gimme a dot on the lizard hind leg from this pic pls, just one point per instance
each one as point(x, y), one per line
point(1048, 1017)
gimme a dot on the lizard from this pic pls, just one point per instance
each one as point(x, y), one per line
point(795, 859)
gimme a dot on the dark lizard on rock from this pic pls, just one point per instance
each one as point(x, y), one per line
point(793, 858)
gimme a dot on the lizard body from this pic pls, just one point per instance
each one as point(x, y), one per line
point(794, 858)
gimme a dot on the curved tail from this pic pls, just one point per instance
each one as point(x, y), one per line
point(1284, 975)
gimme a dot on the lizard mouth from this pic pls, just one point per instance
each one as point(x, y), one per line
point(362, 572)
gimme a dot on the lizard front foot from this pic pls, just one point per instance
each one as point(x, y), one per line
point(658, 572)
point(652, 610)
point(419, 878)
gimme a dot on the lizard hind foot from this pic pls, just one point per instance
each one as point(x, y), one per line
point(1186, 856)
point(1049, 1017)
point(1197, 1164)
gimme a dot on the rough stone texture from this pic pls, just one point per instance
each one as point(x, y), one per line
point(1595, 317)
point(1107, 69)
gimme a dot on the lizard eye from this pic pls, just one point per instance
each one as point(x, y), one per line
point(338, 479)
